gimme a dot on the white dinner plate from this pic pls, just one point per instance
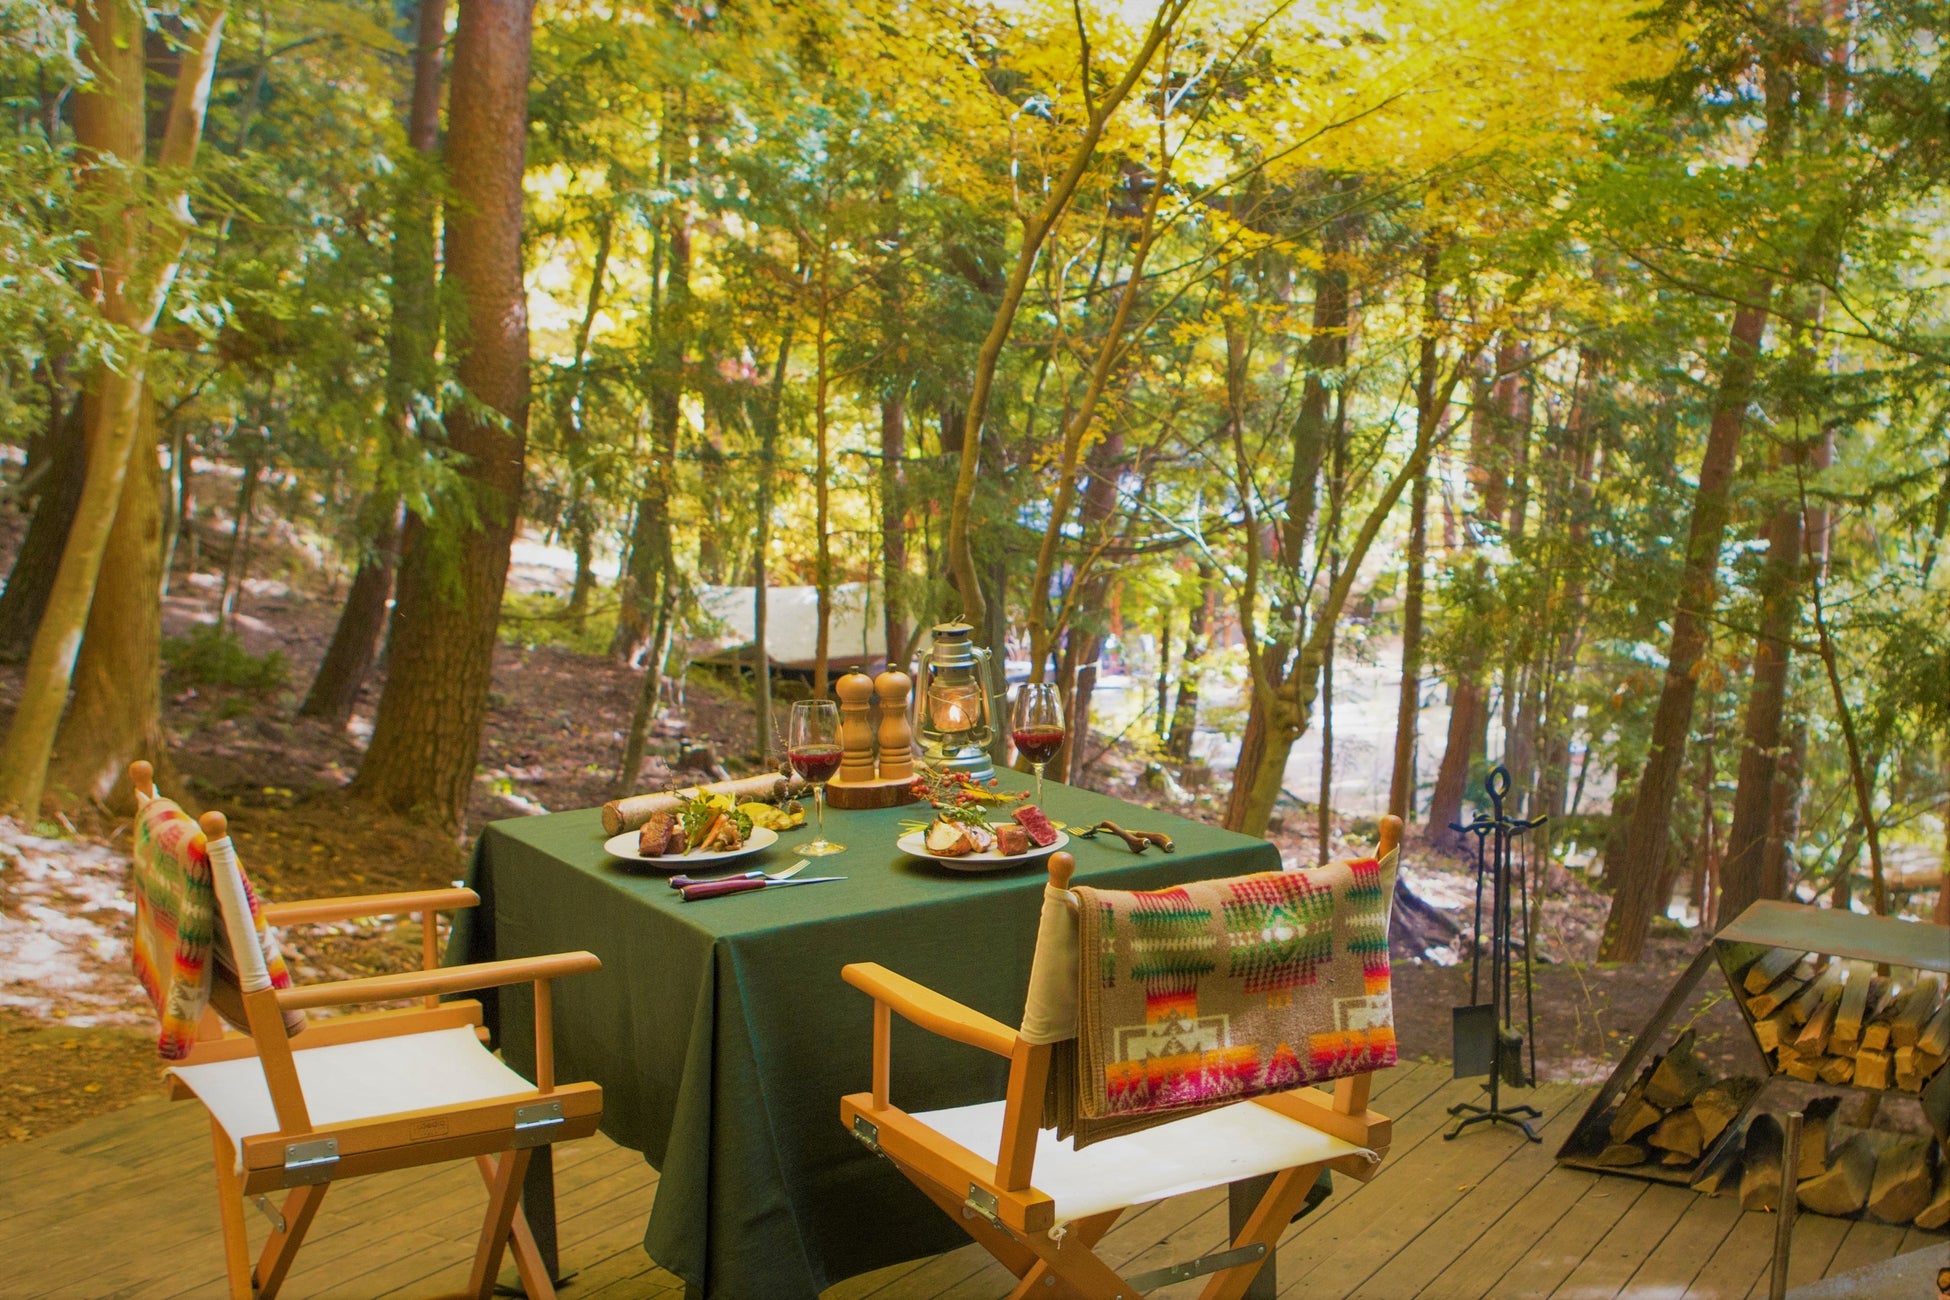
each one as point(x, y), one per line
point(916, 842)
point(624, 846)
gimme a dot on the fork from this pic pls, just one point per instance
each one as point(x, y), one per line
point(678, 882)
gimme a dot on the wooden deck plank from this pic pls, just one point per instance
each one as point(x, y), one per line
point(1673, 1264)
point(1476, 1270)
point(1616, 1256)
point(1351, 1212)
point(1553, 1256)
point(1481, 1200)
point(1420, 1191)
point(1816, 1239)
point(1867, 1242)
point(1742, 1257)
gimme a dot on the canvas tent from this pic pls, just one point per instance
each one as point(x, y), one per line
point(857, 634)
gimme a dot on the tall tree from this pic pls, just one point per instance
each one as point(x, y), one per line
point(412, 336)
point(136, 259)
point(1637, 877)
point(427, 735)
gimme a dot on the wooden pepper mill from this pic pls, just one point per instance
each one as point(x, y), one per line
point(896, 690)
point(855, 691)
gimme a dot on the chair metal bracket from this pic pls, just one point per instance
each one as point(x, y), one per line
point(983, 1203)
point(271, 1212)
point(306, 1163)
point(535, 1124)
point(1198, 1267)
point(868, 1134)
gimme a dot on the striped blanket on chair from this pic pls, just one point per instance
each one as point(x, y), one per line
point(180, 957)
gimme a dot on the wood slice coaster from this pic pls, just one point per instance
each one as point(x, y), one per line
point(857, 796)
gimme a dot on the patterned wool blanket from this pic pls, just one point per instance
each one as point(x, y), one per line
point(179, 960)
point(1221, 990)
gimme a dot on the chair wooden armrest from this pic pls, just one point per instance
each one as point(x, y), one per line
point(448, 979)
point(933, 1012)
point(315, 911)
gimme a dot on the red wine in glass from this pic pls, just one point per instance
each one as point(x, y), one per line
point(1037, 728)
point(818, 763)
point(813, 746)
point(1038, 744)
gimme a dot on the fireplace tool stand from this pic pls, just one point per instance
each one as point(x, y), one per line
point(1496, 836)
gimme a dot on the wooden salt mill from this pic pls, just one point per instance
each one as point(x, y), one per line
point(855, 691)
point(896, 691)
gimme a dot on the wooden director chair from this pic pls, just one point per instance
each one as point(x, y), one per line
point(1039, 1205)
point(365, 1093)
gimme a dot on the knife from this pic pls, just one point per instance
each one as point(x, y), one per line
point(744, 885)
point(678, 882)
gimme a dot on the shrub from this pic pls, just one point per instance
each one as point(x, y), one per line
point(212, 656)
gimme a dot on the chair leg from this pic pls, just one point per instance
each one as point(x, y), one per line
point(504, 1197)
point(1086, 1233)
point(535, 1281)
point(300, 1206)
point(230, 1211)
point(1275, 1210)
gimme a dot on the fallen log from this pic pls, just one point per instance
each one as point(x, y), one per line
point(1936, 1214)
point(1679, 1134)
point(1721, 1104)
point(1722, 1169)
point(1903, 1181)
point(1770, 966)
point(1679, 1075)
point(1842, 1188)
point(1760, 1165)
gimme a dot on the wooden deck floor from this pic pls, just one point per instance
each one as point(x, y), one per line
point(123, 1207)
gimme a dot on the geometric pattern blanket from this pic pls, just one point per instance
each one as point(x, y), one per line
point(182, 958)
point(1220, 990)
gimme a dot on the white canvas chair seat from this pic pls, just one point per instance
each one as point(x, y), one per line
point(346, 1082)
point(1208, 1149)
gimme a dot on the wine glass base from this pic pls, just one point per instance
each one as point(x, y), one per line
point(818, 848)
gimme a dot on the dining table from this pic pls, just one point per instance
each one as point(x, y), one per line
point(723, 1036)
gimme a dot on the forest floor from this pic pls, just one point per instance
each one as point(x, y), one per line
point(74, 1030)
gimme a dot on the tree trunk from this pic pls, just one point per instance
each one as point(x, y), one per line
point(412, 335)
point(237, 564)
point(1636, 884)
point(822, 489)
point(1408, 707)
point(1184, 714)
point(109, 133)
point(427, 734)
point(1326, 354)
point(961, 555)
point(1468, 715)
point(893, 523)
point(115, 716)
point(768, 441)
point(355, 640)
point(1326, 743)
point(29, 583)
point(1744, 875)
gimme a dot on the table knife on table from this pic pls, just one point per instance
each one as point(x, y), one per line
point(744, 885)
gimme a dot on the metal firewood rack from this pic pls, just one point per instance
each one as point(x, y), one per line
point(1882, 940)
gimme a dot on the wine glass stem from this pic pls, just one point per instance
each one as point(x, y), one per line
point(819, 807)
point(1039, 781)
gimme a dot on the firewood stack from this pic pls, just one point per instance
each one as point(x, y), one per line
point(1826, 1020)
point(1675, 1110)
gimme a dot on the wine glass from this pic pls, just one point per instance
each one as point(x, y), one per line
point(813, 745)
point(1037, 727)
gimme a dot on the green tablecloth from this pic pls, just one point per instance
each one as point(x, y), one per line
point(723, 1036)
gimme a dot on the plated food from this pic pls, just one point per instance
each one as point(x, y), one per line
point(707, 828)
point(962, 837)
